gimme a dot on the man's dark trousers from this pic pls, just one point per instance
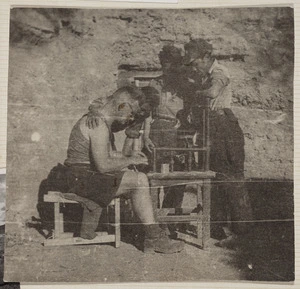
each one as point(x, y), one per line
point(230, 200)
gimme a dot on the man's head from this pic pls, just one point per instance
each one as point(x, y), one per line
point(198, 54)
point(168, 56)
point(126, 104)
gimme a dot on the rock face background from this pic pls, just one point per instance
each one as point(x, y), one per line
point(61, 59)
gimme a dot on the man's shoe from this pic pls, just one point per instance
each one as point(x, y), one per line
point(162, 244)
point(230, 242)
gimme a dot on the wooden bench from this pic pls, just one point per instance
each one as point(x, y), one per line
point(62, 238)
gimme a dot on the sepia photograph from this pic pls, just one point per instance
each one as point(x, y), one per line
point(150, 145)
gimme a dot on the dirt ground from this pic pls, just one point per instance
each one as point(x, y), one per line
point(260, 257)
point(265, 254)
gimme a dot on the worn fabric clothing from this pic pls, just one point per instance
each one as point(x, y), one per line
point(90, 221)
point(193, 86)
point(227, 155)
point(81, 180)
point(230, 206)
point(79, 147)
point(219, 74)
point(79, 151)
point(229, 198)
point(78, 174)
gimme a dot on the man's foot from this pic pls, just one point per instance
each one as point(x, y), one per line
point(88, 235)
point(162, 244)
point(231, 242)
point(217, 232)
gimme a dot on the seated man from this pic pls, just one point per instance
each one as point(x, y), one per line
point(96, 173)
point(149, 99)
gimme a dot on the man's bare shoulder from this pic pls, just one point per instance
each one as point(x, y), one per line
point(90, 132)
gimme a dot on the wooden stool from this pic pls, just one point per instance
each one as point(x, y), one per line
point(62, 238)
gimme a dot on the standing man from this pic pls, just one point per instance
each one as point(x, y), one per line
point(96, 173)
point(227, 155)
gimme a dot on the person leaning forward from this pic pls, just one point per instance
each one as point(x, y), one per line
point(97, 173)
point(227, 153)
point(149, 99)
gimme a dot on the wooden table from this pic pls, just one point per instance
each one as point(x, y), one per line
point(203, 181)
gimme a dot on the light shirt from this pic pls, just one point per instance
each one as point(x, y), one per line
point(219, 74)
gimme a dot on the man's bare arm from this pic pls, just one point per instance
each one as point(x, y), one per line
point(104, 161)
point(128, 146)
point(147, 141)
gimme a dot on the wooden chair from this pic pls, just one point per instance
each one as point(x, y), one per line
point(195, 171)
point(62, 238)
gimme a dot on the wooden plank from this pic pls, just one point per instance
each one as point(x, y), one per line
point(192, 175)
point(79, 241)
point(180, 149)
point(189, 239)
point(178, 218)
point(169, 183)
point(175, 211)
point(57, 197)
point(67, 235)
point(163, 211)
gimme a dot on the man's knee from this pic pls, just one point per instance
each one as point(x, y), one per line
point(135, 179)
point(142, 180)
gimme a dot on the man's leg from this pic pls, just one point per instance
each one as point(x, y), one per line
point(156, 239)
point(218, 163)
point(240, 207)
point(90, 221)
point(138, 186)
point(218, 210)
point(238, 198)
point(238, 202)
point(90, 217)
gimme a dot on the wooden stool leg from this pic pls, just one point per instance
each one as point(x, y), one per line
point(58, 221)
point(161, 196)
point(117, 223)
point(200, 213)
point(107, 223)
point(206, 212)
point(61, 238)
point(154, 191)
